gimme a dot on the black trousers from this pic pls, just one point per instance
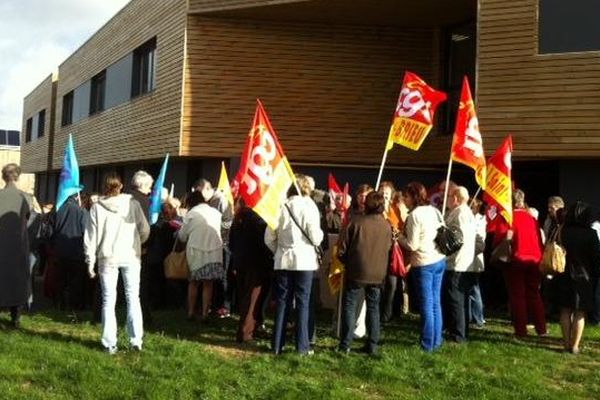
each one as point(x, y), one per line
point(455, 304)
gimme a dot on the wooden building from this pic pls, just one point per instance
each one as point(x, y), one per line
point(182, 77)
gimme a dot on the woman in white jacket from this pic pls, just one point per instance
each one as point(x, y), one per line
point(113, 237)
point(204, 250)
point(428, 263)
point(293, 244)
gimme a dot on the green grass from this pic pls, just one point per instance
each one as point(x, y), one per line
point(54, 358)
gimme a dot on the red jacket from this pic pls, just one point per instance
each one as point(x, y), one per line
point(527, 240)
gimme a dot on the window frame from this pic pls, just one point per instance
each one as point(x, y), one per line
point(143, 73)
point(97, 93)
point(67, 109)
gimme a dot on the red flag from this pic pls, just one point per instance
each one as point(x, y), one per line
point(413, 118)
point(498, 192)
point(265, 174)
point(467, 145)
point(333, 185)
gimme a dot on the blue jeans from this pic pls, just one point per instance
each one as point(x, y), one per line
point(131, 282)
point(476, 304)
point(288, 285)
point(372, 296)
point(428, 279)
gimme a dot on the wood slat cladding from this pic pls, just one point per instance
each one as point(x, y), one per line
point(145, 127)
point(34, 155)
point(550, 103)
point(197, 6)
point(330, 90)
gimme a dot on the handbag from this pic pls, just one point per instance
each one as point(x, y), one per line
point(554, 258)
point(449, 239)
point(175, 264)
point(318, 249)
point(397, 266)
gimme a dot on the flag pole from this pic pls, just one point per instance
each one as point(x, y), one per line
point(475, 196)
point(383, 159)
point(446, 186)
point(339, 309)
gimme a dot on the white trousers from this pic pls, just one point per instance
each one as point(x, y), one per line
point(109, 275)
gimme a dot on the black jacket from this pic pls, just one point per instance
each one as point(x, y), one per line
point(68, 225)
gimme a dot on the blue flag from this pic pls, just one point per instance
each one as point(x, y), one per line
point(155, 198)
point(68, 183)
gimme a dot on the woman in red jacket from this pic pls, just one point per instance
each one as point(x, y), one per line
point(523, 277)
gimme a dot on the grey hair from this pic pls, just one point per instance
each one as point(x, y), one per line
point(11, 172)
point(461, 193)
point(556, 201)
point(141, 179)
point(518, 199)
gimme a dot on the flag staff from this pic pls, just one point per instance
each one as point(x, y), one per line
point(475, 196)
point(446, 186)
point(385, 152)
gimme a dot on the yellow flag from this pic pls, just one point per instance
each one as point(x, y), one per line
point(223, 185)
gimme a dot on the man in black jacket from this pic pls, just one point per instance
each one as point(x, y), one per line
point(68, 228)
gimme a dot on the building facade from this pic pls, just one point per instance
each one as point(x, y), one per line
point(181, 77)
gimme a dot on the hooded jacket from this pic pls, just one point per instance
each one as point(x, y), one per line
point(115, 232)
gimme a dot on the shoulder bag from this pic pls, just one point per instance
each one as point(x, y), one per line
point(449, 239)
point(175, 264)
point(554, 258)
point(318, 249)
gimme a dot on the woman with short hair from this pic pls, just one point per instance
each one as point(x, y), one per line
point(201, 231)
point(365, 251)
point(427, 262)
point(294, 245)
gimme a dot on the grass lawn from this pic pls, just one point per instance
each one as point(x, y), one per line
point(54, 358)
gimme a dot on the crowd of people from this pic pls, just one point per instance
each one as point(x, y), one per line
point(237, 263)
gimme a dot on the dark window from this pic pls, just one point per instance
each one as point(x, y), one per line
point(144, 68)
point(459, 60)
point(13, 138)
point(568, 26)
point(28, 129)
point(41, 123)
point(3, 138)
point(97, 93)
point(67, 109)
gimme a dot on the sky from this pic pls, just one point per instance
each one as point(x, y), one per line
point(35, 37)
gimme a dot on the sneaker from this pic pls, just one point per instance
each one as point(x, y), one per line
point(137, 348)
point(307, 353)
point(112, 350)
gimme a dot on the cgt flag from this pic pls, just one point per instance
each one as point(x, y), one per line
point(498, 192)
point(156, 196)
point(68, 183)
point(413, 118)
point(467, 145)
point(224, 186)
point(265, 174)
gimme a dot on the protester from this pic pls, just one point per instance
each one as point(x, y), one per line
point(15, 208)
point(113, 237)
point(365, 252)
point(476, 313)
point(428, 264)
point(217, 200)
point(575, 286)
point(594, 314)
point(159, 245)
point(141, 187)
point(253, 266)
point(392, 215)
point(460, 277)
point(555, 203)
point(523, 276)
point(204, 251)
point(294, 245)
point(69, 225)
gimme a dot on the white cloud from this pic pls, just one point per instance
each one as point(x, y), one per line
point(35, 37)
